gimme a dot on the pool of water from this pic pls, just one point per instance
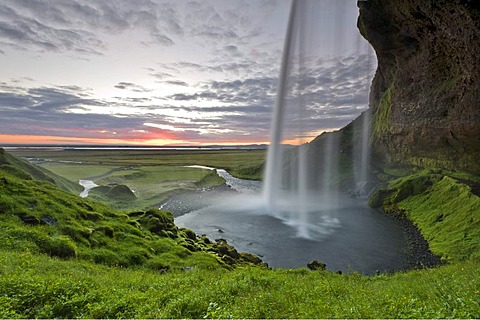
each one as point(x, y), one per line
point(350, 237)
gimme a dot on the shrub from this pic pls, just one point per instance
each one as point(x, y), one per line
point(60, 246)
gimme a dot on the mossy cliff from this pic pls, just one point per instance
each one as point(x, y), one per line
point(425, 96)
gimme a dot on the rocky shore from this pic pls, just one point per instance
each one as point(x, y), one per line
point(418, 252)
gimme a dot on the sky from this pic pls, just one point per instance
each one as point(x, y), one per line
point(174, 72)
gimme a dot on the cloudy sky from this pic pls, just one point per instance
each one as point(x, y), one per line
point(174, 72)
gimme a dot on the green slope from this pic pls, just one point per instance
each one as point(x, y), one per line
point(37, 216)
point(442, 206)
point(62, 256)
point(27, 170)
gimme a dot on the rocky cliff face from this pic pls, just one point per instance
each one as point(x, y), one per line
point(425, 96)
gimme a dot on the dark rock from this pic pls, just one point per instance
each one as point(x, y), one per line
point(419, 255)
point(49, 220)
point(29, 219)
point(228, 260)
point(189, 234)
point(316, 265)
point(250, 258)
point(220, 231)
point(425, 96)
point(136, 213)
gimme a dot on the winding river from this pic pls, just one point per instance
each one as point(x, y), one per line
point(88, 185)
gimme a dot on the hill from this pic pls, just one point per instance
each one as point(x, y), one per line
point(62, 256)
point(39, 217)
point(26, 170)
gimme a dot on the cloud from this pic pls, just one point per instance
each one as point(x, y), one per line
point(177, 83)
point(236, 110)
point(80, 26)
point(225, 87)
point(131, 86)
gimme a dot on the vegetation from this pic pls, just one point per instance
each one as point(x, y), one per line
point(62, 256)
point(143, 187)
point(38, 217)
point(383, 116)
point(249, 172)
point(442, 207)
point(222, 159)
point(26, 170)
point(37, 286)
point(151, 175)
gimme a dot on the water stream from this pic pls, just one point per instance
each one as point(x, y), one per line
point(88, 185)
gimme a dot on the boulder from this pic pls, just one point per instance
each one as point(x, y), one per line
point(316, 265)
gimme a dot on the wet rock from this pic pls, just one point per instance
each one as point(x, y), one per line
point(316, 265)
point(424, 96)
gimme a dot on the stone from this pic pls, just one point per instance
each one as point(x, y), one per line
point(316, 265)
point(425, 96)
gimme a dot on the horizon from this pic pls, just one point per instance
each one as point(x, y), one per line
point(169, 73)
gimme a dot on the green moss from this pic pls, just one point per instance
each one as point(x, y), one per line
point(212, 179)
point(444, 209)
point(449, 218)
point(250, 172)
point(382, 119)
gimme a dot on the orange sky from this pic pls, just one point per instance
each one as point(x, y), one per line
point(58, 140)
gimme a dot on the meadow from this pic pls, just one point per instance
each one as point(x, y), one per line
point(62, 256)
point(152, 175)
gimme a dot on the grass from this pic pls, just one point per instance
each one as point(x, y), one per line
point(62, 256)
point(222, 159)
point(77, 171)
point(153, 175)
point(448, 214)
point(442, 207)
point(43, 287)
point(382, 118)
point(38, 217)
point(152, 184)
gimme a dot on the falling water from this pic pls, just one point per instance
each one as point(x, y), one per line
point(362, 157)
point(275, 154)
point(323, 85)
point(323, 57)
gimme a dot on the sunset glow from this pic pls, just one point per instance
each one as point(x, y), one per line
point(161, 73)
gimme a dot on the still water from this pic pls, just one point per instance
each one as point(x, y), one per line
point(349, 238)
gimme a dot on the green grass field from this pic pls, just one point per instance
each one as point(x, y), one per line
point(62, 256)
point(222, 159)
point(152, 174)
point(36, 286)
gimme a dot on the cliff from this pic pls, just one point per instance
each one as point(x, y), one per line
point(425, 96)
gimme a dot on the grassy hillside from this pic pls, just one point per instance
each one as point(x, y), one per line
point(152, 175)
point(442, 205)
point(36, 286)
point(62, 256)
point(38, 217)
point(26, 170)
point(231, 160)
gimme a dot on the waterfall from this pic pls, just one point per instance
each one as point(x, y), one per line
point(317, 89)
